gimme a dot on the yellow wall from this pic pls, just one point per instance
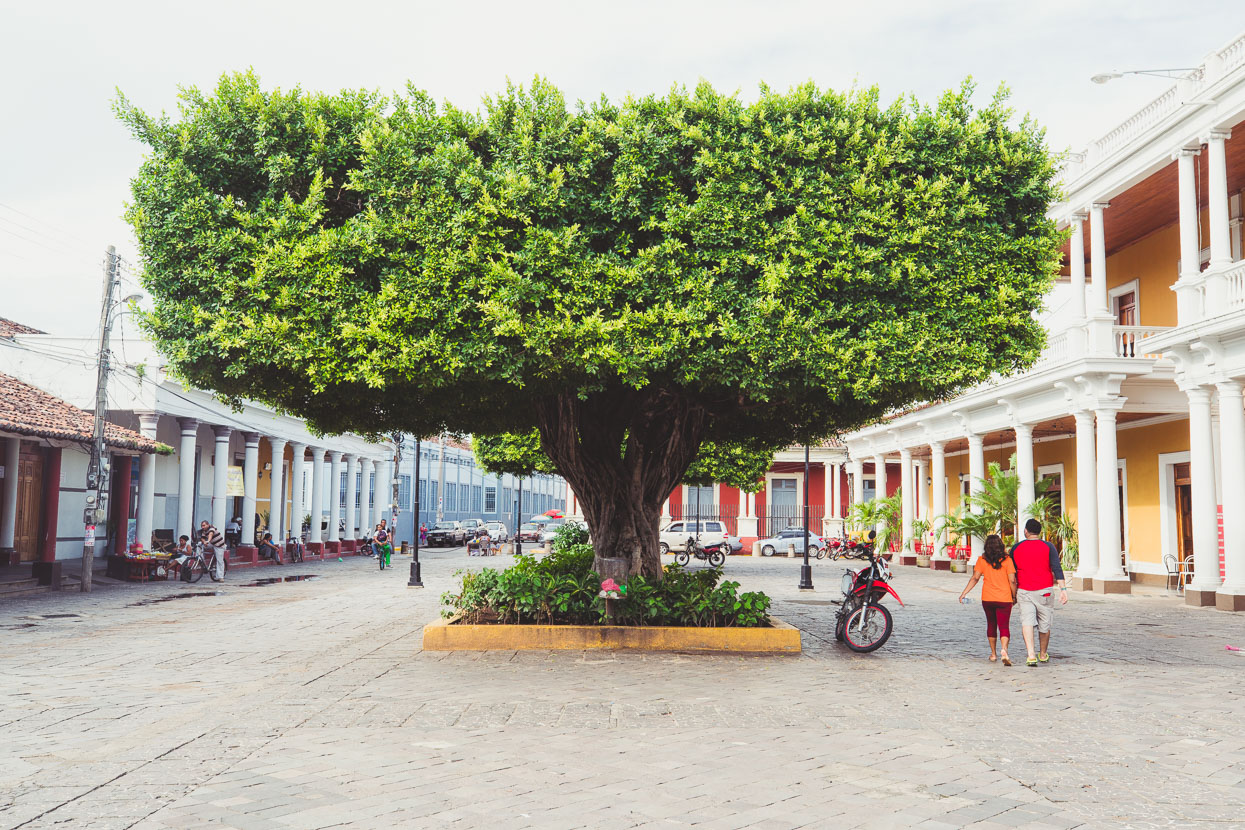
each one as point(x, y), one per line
point(1152, 262)
point(1141, 448)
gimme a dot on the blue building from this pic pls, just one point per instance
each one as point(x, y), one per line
point(460, 490)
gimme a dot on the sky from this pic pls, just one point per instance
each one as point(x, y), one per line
point(66, 162)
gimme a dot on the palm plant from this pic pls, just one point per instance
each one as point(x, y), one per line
point(1065, 530)
point(998, 500)
point(882, 514)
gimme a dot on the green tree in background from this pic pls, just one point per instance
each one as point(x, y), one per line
point(631, 279)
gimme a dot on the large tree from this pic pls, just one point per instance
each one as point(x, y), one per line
point(631, 279)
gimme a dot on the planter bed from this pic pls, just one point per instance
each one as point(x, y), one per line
point(452, 635)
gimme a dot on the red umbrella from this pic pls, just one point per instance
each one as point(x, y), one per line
point(554, 514)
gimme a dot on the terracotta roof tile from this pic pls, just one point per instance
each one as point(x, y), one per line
point(8, 328)
point(25, 410)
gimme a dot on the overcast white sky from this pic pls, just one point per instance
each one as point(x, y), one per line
point(65, 162)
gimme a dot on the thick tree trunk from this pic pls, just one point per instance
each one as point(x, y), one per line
point(623, 451)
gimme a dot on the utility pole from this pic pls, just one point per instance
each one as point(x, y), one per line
point(518, 520)
point(393, 485)
point(97, 469)
point(441, 485)
point(415, 581)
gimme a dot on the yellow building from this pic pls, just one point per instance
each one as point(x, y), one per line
point(1135, 408)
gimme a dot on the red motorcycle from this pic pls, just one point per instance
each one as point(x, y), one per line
point(862, 622)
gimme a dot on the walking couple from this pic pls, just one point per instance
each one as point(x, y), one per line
point(1026, 577)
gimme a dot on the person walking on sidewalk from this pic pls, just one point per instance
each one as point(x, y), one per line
point(1037, 573)
point(998, 593)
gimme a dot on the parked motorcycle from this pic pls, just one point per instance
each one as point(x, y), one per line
point(862, 622)
point(715, 553)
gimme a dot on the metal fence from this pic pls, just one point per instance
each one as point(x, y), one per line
point(706, 512)
point(773, 518)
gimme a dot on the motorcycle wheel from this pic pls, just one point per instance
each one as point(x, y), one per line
point(716, 559)
point(682, 558)
point(876, 630)
point(820, 553)
point(768, 550)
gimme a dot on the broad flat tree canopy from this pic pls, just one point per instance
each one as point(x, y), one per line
point(646, 275)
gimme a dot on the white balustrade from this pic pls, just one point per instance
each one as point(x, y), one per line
point(1235, 279)
point(1056, 351)
point(1130, 340)
point(1233, 55)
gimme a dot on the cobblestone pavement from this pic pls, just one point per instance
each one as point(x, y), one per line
point(310, 704)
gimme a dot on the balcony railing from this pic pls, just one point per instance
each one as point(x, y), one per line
point(1058, 350)
point(1235, 279)
point(1130, 340)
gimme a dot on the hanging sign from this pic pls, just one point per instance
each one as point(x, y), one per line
point(88, 541)
point(233, 483)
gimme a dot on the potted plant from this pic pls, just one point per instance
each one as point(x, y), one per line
point(921, 527)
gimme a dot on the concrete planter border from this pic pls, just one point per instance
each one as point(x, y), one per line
point(451, 635)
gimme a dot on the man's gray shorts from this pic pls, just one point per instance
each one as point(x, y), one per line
point(1037, 608)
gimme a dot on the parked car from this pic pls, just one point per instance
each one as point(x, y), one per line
point(674, 535)
point(550, 529)
point(792, 536)
point(497, 531)
point(447, 534)
point(529, 532)
point(736, 544)
point(472, 528)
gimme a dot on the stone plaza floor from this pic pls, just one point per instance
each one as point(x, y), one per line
point(310, 704)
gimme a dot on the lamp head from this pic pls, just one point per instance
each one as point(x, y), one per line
point(1103, 77)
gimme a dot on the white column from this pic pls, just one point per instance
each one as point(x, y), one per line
point(1100, 336)
point(250, 483)
point(1026, 493)
point(879, 476)
point(352, 487)
point(920, 495)
point(380, 494)
point(1220, 240)
point(1205, 510)
point(317, 494)
point(276, 490)
point(1188, 296)
point(186, 478)
point(836, 489)
point(335, 495)
point(858, 481)
point(1086, 499)
point(298, 504)
point(144, 522)
point(1098, 258)
point(976, 474)
point(1111, 576)
point(1078, 332)
point(828, 471)
point(1076, 263)
point(8, 511)
point(1232, 444)
point(905, 498)
point(938, 500)
point(365, 500)
point(220, 477)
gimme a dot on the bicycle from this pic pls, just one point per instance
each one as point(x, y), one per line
point(383, 554)
point(199, 563)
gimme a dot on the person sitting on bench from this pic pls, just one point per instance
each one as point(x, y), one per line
point(269, 550)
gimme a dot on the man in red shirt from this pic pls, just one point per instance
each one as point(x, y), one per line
point(1038, 570)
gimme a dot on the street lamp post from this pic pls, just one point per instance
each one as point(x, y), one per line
point(806, 570)
point(415, 581)
point(518, 520)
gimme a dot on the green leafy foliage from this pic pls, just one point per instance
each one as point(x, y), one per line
point(633, 279)
point(570, 535)
point(516, 454)
point(562, 589)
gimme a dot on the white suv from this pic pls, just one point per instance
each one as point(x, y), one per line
point(674, 535)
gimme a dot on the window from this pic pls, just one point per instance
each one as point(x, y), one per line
point(490, 499)
point(371, 491)
point(706, 494)
point(464, 498)
point(341, 492)
point(477, 499)
point(434, 494)
point(507, 499)
point(404, 492)
point(451, 496)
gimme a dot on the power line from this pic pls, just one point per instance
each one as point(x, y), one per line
point(66, 234)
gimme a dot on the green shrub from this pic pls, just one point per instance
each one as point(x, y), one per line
point(569, 535)
point(562, 588)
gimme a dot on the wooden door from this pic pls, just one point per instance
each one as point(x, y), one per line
point(29, 504)
point(1184, 512)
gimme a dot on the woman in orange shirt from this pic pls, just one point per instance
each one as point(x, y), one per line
point(998, 593)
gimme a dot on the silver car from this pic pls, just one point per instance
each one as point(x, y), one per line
point(793, 536)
